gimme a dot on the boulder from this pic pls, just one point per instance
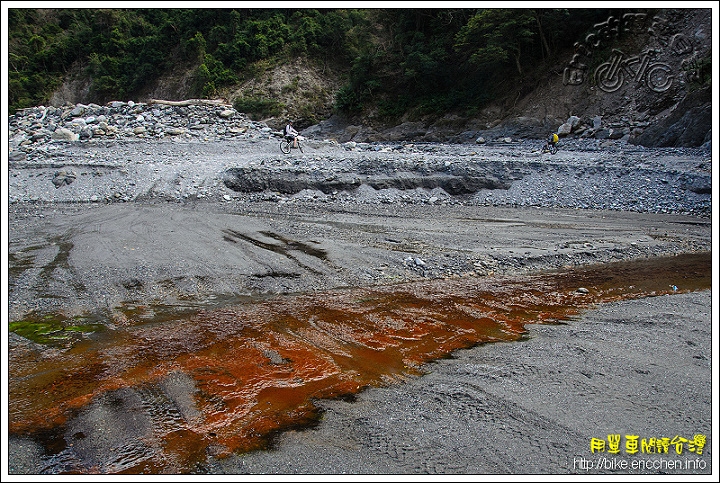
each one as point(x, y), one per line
point(63, 134)
point(687, 125)
point(63, 178)
point(564, 129)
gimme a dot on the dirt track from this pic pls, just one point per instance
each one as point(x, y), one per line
point(95, 257)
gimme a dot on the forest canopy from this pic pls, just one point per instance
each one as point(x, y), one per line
point(430, 60)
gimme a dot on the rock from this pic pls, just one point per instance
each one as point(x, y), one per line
point(564, 129)
point(520, 127)
point(63, 178)
point(79, 110)
point(405, 131)
point(617, 133)
point(64, 134)
point(16, 156)
point(687, 125)
point(602, 134)
point(78, 123)
point(86, 132)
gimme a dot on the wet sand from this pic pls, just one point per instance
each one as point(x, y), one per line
point(530, 408)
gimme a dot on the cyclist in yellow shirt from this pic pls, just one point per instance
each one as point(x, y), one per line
point(551, 144)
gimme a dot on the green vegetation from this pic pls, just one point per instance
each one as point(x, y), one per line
point(124, 50)
point(396, 61)
point(257, 107)
point(50, 329)
point(698, 72)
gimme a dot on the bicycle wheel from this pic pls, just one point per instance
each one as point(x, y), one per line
point(285, 147)
point(659, 77)
point(549, 148)
point(606, 83)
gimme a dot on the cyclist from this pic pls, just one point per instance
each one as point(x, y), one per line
point(551, 143)
point(290, 133)
point(553, 139)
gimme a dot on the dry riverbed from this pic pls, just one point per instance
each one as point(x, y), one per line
point(162, 225)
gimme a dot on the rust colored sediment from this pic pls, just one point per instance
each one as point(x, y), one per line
point(257, 367)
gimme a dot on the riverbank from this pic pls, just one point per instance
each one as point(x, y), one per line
point(528, 407)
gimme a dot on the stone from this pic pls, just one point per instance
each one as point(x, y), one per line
point(64, 134)
point(564, 129)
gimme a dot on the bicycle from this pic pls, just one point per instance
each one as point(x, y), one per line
point(287, 144)
point(610, 75)
point(549, 148)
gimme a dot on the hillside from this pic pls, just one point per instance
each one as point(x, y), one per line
point(679, 114)
point(660, 96)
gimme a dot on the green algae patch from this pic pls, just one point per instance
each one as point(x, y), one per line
point(52, 328)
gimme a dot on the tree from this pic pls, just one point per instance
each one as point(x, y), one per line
point(498, 36)
point(541, 32)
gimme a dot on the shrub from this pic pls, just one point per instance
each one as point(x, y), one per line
point(258, 108)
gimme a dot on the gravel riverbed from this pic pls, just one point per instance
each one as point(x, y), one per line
point(93, 224)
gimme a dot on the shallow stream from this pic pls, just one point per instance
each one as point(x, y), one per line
point(217, 378)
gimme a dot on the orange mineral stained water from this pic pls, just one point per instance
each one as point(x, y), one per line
point(252, 369)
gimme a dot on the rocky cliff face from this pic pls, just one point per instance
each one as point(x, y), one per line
point(637, 78)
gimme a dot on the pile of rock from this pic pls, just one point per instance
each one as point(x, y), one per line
point(39, 125)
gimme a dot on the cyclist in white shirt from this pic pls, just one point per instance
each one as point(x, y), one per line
point(291, 133)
